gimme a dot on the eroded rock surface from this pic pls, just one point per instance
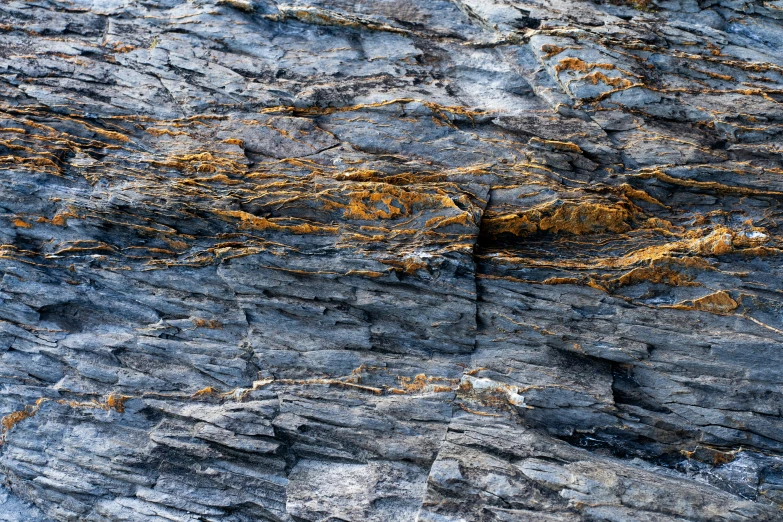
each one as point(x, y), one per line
point(391, 260)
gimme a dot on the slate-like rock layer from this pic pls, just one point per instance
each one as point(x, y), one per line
point(391, 260)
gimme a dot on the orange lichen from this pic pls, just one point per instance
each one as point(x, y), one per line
point(207, 323)
point(116, 402)
point(61, 218)
point(515, 224)
point(414, 385)
point(248, 220)
point(562, 281)
point(489, 393)
point(422, 382)
point(165, 132)
point(586, 218)
point(551, 50)
point(438, 111)
point(465, 219)
point(563, 146)
point(719, 241)
point(14, 418)
point(575, 64)
point(476, 412)
point(719, 303)
point(206, 392)
point(576, 218)
point(374, 201)
point(651, 274)
point(119, 47)
point(409, 265)
point(598, 76)
point(20, 223)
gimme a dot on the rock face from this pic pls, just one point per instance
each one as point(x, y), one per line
point(391, 260)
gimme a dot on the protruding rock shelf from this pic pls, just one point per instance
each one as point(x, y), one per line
point(391, 260)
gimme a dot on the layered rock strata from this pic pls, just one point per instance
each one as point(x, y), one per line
point(391, 260)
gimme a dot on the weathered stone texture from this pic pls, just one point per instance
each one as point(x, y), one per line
point(391, 260)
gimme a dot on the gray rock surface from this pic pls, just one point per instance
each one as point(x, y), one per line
point(391, 260)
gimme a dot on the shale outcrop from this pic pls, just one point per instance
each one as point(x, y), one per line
point(391, 260)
